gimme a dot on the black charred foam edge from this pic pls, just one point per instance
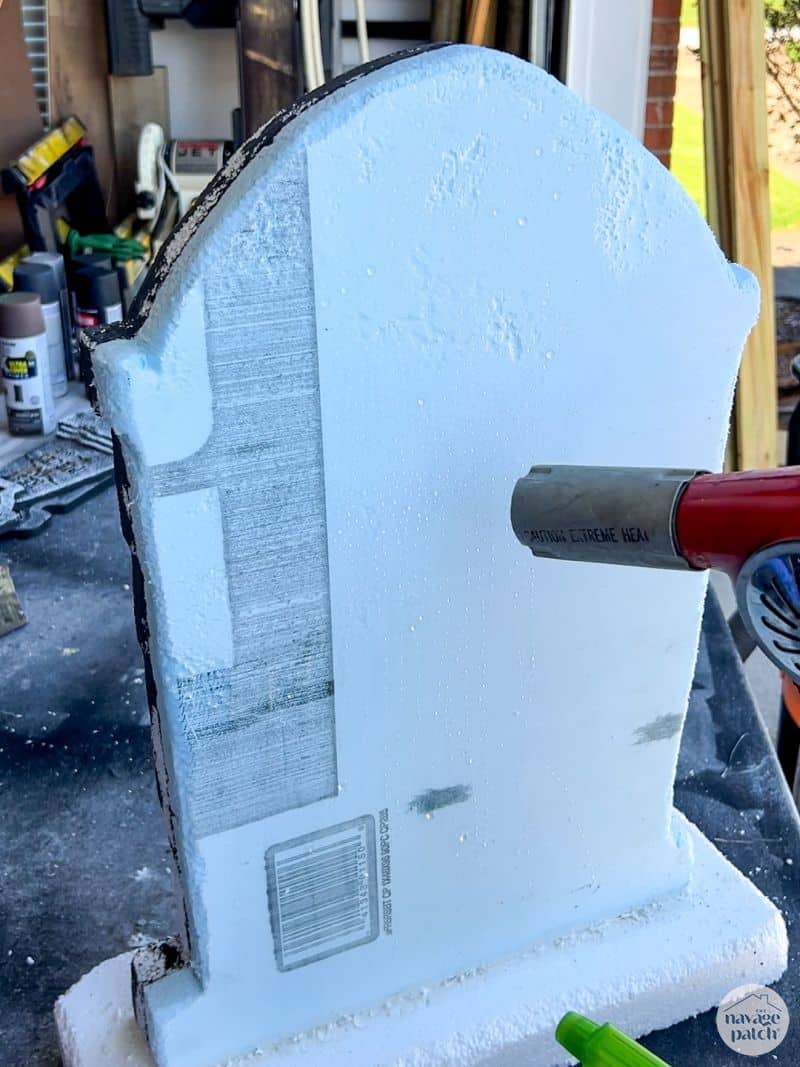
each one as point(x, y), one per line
point(91, 338)
point(177, 952)
point(126, 330)
point(235, 166)
point(149, 964)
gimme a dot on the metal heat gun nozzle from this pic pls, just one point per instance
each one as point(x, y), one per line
point(746, 524)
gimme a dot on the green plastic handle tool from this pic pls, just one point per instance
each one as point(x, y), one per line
point(602, 1046)
point(118, 247)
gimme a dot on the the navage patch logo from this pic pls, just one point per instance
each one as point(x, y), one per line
point(752, 1020)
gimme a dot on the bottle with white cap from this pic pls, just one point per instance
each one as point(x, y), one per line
point(24, 365)
point(38, 278)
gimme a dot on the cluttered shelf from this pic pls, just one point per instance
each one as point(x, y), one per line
point(72, 273)
point(12, 446)
point(42, 474)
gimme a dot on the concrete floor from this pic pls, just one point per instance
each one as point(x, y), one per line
point(84, 860)
point(85, 866)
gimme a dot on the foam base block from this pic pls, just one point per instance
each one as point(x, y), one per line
point(642, 971)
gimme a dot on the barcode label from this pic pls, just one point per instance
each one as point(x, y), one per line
point(322, 892)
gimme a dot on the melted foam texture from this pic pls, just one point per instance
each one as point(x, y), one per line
point(389, 306)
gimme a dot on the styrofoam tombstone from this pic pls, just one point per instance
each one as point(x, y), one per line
point(394, 748)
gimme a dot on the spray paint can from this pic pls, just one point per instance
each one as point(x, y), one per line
point(97, 301)
point(81, 260)
point(24, 364)
point(76, 265)
point(97, 297)
point(55, 263)
point(37, 278)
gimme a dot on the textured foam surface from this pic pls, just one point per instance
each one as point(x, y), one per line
point(394, 748)
point(647, 968)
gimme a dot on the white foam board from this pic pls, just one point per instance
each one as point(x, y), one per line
point(393, 747)
point(640, 971)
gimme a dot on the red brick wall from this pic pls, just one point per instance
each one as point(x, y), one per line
point(661, 82)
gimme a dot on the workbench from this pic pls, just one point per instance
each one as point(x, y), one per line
point(85, 868)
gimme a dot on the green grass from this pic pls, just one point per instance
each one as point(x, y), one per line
point(688, 168)
point(687, 153)
point(689, 15)
point(784, 198)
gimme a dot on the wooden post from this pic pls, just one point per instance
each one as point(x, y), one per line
point(268, 64)
point(481, 21)
point(446, 20)
point(21, 123)
point(79, 80)
point(737, 186)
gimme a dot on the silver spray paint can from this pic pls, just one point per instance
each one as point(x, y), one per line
point(24, 365)
point(55, 263)
point(38, 278)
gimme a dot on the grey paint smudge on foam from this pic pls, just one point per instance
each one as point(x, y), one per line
point(433, 799)
point(659, 729)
